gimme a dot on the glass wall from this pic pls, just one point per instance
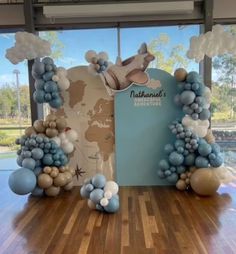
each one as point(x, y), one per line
point(224, 102)
point(14, 103)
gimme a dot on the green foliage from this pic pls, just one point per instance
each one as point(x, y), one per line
point(165, 59)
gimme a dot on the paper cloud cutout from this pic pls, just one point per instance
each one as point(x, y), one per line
point(27, 46)
point(153, 84)
point(215, 43)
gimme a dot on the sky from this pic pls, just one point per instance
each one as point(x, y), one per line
point(77, 42)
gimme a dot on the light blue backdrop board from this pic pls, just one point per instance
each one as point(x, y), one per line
point(141, 127)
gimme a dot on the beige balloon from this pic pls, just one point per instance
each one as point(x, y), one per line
point(51, 132)
point(72, 171)
point(180, 74)
point(204, 182)
point(68, 176)
point(61, 124)
point(52, 191)
point(52, 125)
point(68, 186)
point(47, 170)
point(39, 126)
point(60, 180)
point(44, 181)
point(62, 169)
point(50, 118)
point(91, 205)
point(54, 172)
point(29, 131)
point(181, 185)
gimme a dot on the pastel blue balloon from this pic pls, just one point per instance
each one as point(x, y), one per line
point(179, 143)
point(57, 163)
point(45, 139)
point(176, 159)
point(28, 163)
point(189, 160)
point(38, 170)
point(37, 192)
point(205, 114)
point(55, 95)
point(96, 195)
point(199, 99)
point(204, 149)
point(26, 154)
point(173, 178)
point(195, 116)
point(200, 90)
point(89, 187)
point(193, 77)
point(168, 148)
point(37, 153)
point(19, 160)
point(167, 172)
point(187, 110)
point(38, 96)
point(215, 148)
point(47, 159)
point(22, 181)
point(38, 68)
point(201, 162)
point(84, 193)
point(50, 86)
point(180, 86)
point(48, 97)
point(48, 67)
point(99, 181)
point(202, 141)
point(180, 150)
point(198, 110)
point(217, 162)
point(187, 97)
point(113, 205)
point(173, 169)
point(212, 156)
point(187, 86)
point(56, 103)
point(48, 60)
point(48, 75)
point(161, 174)
point(39, 139)
point(39, 84)
point(194, 106)
point(32, 142)
point(195, 86)
point(164, 165)
point(99, 208)
point(180, 169)
point(100, 61)
point(177, 100)
point(103, 68)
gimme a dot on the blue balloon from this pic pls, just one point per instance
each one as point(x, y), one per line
point(215, 148)
point(84, 193)
point(99, 181)
point(187, 110)
point(96, 195)
point(164, 165)
point(26, 154)
point(38, 170)
point(22, 181)
point(189, 160)
point(201, 162)
point(193, 77)
point(37, 192)
point(180, 86)
point(195, 116)
point(39, 84)
point(200, 90)
point(89, 187)
point(100, 61)
point(212, 156)
point(176, 159)
point(38, 96)
point(19, 160)
point(217, 162)
point(48, 60)
point(180, 169)
point(204, 149)
point(173, 178)
point(48, 97)
point(187, 97)
point(48, 75)
point(187, 86)
point(205, 114)
point(113, 205)
point(168, 148)
point(173, 169)
point(50, 86)
point(48, 67)
point(167, 172)
point(179, 143)
point(195, 86)
point(177, 100)
point(161, 174)
point(38, 68)
point(28, 163)
point(99, 208)
point(56, 103)
point(47, 159)
point(37, 153)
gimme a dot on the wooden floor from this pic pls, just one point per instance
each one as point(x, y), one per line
point(151, 220)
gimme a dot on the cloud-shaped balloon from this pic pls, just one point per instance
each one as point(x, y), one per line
point(213, 43)
point(27, 46)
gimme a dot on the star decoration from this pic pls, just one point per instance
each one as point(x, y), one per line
point(79, 172)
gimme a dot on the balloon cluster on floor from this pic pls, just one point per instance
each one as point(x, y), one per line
point(194, 147)
point(102, 195)
point(49, 82)
point(43, 158)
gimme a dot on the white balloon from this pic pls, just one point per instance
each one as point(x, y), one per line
point(57, 140)
point(103, 55)
point(108, 194)
point(104, 202)
point(89, 55)
point(72, 135)
point(68, 148)
point(112, 187)
point(63, 83)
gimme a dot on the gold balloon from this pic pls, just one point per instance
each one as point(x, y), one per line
point(50, 118)
point(60, 180)
point(72, 171)
point(52, 125)
point(54, 172)
point(204, 182)
point(183, 176)
point(68, 186)
point(180, 74)
point(44, 181)
point(209, 137)
point(47, 170)
point(62, 169)
point(52, 191)
point(61, 124)
point(68, 176)
point(51, 132)
point(39, 126)
point(181, 185)
point(29, 131)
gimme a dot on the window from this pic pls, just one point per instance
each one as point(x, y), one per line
point(15, 113)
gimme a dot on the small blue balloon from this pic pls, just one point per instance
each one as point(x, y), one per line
point(37, 153)
point(217, 162)
point(187, 97)
point(84, 193)
point(28, 163)
point(200, 90)
point(47, 60)
point(215, 148)
point(181, 169)
point(201, 162)
point(167, 172)
point(195, 86)
point(195, 116)
point(173, 169)
point(212, 156)
point(164, 165)
point(38, 68)
point(187, 86)
point(26, 154)
point(38, 96)
point(37, 192)
point(187, 110)
point(96, 195)
point(193, 77)
point(173, 178)
point(161, 174)
point(22, 181)
point(205, 114)
point(204, 149)
point(168, 148)
point(89, 187)
point(176, 159)
point(113, 205)
point(19, 160)
point(48, 75)
point(189, 160)
point(50, 86)
point(48, 67)
point(47, 159)
point(56, 103)
point(179, 143)
point(39, 84)
point(99, 181)
point(48, 97)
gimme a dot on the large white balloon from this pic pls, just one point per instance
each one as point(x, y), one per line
point(112, 187)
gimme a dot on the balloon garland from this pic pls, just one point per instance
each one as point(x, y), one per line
point(195, 146)
point(102, 195)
